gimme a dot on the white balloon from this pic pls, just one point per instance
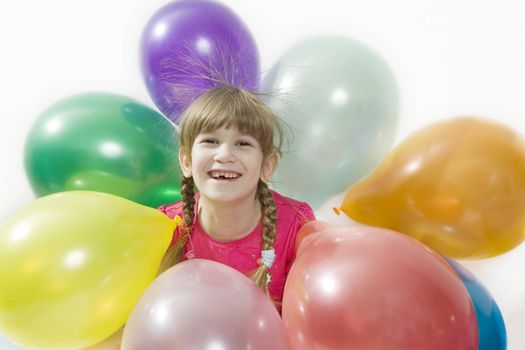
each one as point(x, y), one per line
point(5, 344)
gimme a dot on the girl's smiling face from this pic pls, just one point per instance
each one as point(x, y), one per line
point(226, 165)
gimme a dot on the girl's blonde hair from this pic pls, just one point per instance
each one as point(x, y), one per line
point(231, 108)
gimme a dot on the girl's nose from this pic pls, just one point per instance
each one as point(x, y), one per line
point(224, 154)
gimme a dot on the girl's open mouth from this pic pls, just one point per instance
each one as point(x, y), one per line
point(222, 175)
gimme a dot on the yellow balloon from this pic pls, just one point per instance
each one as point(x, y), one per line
point(458, 186)
point(111, 343)
point(73, 265)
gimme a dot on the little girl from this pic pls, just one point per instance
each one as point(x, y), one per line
point(227, 152)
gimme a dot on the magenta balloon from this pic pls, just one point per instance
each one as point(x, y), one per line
point(369, 288)
point(202, 304)
point(189, 47)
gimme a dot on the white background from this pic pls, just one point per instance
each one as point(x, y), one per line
point(451, 57)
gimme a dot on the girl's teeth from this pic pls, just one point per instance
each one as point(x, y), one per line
point(228, 175)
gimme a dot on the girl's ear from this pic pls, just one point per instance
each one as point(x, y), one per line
point(269, 166)
point(185, 164)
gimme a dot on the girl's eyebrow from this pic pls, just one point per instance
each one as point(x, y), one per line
point(247, 135)
point(205, 134)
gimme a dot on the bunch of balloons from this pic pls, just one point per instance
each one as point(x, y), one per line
point(339, 98)
point(458, 186)
point(74, 263)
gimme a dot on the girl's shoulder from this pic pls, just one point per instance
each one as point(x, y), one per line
point(292, 208)
point(173, 209)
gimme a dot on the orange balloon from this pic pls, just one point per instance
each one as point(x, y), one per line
point(457, 186)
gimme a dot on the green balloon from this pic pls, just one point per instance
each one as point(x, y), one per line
point(107, 143)
point(159, 194)
point(341, 101)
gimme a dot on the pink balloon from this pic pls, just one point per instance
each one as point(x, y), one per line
point(201, 304)
point(308, 229)
point(374, 289)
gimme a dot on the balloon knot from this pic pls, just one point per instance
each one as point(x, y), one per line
point(177, 220)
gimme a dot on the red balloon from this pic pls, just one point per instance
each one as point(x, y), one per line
point(371, 288)
point(309, 228)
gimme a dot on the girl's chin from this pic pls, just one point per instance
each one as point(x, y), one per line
point(223, 181)
point(226, 194)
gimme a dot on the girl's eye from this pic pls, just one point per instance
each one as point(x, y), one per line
point(243, 143)
point(209, 140)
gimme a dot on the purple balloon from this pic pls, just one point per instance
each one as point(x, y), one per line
point(202, 304)
point(190, 46)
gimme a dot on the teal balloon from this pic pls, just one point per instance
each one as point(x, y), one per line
point(107, 143)
point(341, 101)
point(492, 332)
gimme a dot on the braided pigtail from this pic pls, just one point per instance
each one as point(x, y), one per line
point(188, 206)
point(175, 253)
point(262, 277)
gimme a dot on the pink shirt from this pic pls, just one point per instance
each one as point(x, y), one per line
point(243, 254)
